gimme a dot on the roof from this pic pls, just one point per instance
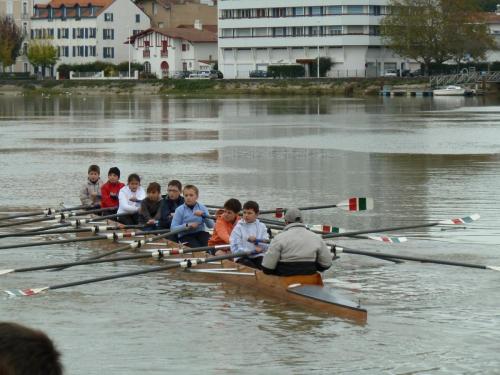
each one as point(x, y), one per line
point(191, 35)
point(73, 3)
point(211, 28)
point(491, 17)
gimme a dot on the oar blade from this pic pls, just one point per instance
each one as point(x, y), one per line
point(461, 220)
point(494, 268)
point(25, 292)
point(388, 239)
point(356, 204)
point(326, 228)
point(5, 272)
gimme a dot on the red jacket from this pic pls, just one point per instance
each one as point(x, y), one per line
point(109, 194)
point(222, 232)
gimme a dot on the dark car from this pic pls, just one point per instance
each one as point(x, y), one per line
point(216, 74)
point(181, 74)
point(258, 74)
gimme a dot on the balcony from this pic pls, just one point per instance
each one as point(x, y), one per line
point(146, 54)
point(164, 53)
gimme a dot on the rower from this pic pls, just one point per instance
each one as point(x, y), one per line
point(296, 250)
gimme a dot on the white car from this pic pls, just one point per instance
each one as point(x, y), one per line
point(391, 73)
point(200, 74)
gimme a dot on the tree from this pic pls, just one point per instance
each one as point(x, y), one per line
point(430, 31)
point(488, 5)
point(11, 39)
point(325, 64)
point(42, 54)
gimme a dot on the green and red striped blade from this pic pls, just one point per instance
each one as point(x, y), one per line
point(461, 220)
point(25, 292)
point(357, 204)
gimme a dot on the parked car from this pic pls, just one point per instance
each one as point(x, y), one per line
point(258, 74)
point(391, 73)
point(216, 74)
point(200, 74)
point(181, 74)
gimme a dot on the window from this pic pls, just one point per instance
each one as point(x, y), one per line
point(25, 9)
point(335, 9)
point(108, 52)
point(25, 28)
point(137, 18)
point(279, 31)
point(161, 25)
point(147, 67)
point(155, 9)
point(92, 32)
point(108, 34)
point(355, 9)
point(333, 30)
point(316, 11)
point(10, 8)
point(185, 47)
point(108, 17)
point(26, 68)
point(92, 51)
point(375, 10)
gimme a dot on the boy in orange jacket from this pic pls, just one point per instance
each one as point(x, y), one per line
point(226, 220)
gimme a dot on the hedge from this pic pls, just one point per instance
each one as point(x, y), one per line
point(286, 71)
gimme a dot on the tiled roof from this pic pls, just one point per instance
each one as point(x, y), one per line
point(211, 28)
point(70, 5)
point(491, 17)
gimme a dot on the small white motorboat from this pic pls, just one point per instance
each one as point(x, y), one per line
point(450, 91)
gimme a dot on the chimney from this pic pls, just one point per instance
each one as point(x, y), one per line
point(198, 25)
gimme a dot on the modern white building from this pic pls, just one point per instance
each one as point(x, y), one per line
point(167, 51)
point(254, 34)
point(85, 31)
point(493, 21)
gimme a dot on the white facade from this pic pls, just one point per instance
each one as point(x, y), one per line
point(167, 51)
point(90, 33)
point(256, 33)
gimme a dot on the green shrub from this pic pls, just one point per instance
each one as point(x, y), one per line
point(286, 71)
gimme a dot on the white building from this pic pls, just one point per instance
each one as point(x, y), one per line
point(85, 31)
point(493, 21)
point(166, 51)
point(256, 33)
point(20, 11)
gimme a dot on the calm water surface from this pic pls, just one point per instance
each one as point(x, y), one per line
point(420, 159)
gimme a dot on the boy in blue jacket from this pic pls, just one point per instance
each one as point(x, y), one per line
point(192, 215)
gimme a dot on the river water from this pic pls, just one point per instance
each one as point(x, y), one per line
point(420, 159)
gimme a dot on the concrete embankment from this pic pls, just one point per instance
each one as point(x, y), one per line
point(191, 87)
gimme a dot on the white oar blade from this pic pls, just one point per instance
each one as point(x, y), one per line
point(357, 204)
point(5, 272)
point(25, 292)
point(388, 239)
point(461, 220)
point(326, 228)
point(494, 268)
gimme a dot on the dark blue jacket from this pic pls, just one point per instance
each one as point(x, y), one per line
point(167, 207)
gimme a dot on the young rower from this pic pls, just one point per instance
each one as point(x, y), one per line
point(130, 198)
point(224, 225)
point(245, 236)
point(192, 215)
point(296, 250)
point(169, 203)
point(149, 211)
point(90, 193)
point(110, 190)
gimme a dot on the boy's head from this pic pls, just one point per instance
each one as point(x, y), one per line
point(250, 211)
point(174, 189)
point(154, 191)
point(113, 175)
point(191, 193)
point(93, 173)
point(232, 208)
point(133, 181)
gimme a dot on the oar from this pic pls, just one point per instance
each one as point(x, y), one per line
point(352, 204)
point(92, 229)
point(73, 223)
point(109, 236)
point(381, 238)
point(417, 259)
point(60, 216)
point(139, 243)
point(184, 264)
point(457, 221)
point(48, 211)
point(156, 254)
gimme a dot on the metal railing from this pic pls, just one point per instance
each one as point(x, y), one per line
point(464, 78)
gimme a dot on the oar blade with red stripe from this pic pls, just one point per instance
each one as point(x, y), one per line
point(461, 220)
point(25, 292)
point(356, 204)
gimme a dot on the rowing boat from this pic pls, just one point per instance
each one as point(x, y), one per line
point(307, 291)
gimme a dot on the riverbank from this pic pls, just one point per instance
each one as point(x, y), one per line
point(357, 87)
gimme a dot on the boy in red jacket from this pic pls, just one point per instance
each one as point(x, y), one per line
point(110, 190)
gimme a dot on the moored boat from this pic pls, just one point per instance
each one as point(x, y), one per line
point(450, 91)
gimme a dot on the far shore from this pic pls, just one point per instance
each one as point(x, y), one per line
point(347, 87)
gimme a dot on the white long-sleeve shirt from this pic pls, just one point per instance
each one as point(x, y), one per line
point(241, 232)
point(126, 206)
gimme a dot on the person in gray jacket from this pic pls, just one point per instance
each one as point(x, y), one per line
point(90, 193)
point(296, 250)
